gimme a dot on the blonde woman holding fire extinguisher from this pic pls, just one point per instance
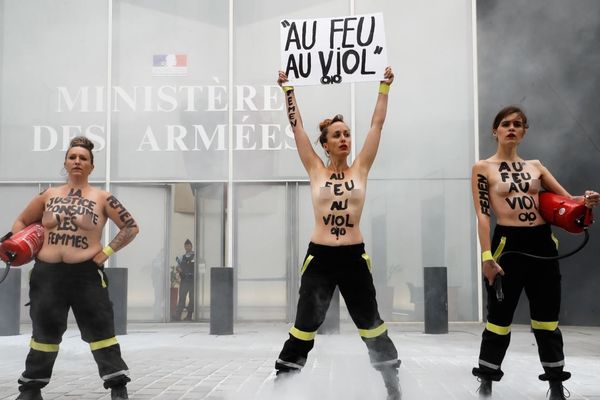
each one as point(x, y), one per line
point(510, 187)
point(68, 273)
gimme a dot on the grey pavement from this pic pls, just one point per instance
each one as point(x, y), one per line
point(182, 361)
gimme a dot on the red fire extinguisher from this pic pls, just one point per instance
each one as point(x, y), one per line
point(566, 213)
point(22, 247)
point(571, 215)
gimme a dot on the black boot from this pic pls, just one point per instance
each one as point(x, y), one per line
point(485, 388)
point(392, 383)
point(557, 391)
point(30, 394)
point(118, 393)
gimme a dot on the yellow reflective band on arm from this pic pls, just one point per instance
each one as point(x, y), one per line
point(298, 334)
point(544, 326)
point(45, 347)
point(305, 265)
point(103, 343)
point(500, 248)
point(384, 88)
point(108, 251)
point(487, 256)
point(497, 329)
point(371, 333)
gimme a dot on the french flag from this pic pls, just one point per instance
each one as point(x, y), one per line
point(169, 60)
point(169, 64)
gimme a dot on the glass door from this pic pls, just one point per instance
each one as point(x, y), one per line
point(210, 240)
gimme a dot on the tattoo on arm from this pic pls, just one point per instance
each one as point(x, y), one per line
point(484, 194)
point(129, 229)
point(123, 238)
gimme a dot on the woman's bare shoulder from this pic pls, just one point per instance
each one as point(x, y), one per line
point(484, 165)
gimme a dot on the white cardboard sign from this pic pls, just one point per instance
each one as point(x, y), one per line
point(334, 50)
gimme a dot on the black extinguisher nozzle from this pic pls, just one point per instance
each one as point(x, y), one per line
point(498, 288)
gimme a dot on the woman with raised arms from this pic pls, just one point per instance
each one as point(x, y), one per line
point(336, 253)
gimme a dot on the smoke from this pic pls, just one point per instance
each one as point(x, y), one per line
point(544, 56)
point(337, 368)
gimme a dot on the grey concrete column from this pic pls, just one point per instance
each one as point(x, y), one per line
point(436, 299)
point(117, 291)
point(10, 303)
point(221, 301)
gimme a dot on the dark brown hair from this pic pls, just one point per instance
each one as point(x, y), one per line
point(82, 141)
point(325, 124)
point(506, 111)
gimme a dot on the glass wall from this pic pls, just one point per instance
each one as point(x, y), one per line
point(188, 97)
point(210, 238)
point(170, 93)
point(53, 75)
point(265, 147)
point(146, 257)
point(261, 250)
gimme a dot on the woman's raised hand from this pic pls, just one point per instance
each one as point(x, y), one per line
point(388, 75)
point(282, 78)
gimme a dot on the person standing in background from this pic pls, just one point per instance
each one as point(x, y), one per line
point(186, 267)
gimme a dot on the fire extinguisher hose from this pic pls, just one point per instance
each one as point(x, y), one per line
point(5, 273)
point(498, 280)
point(558, 257)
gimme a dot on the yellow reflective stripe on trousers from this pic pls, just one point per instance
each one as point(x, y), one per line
point(371, 333)
point(499, 248)
point(45, 347)
point(544, 326)
point(101, 344)
point(555, 240)
point(368, 260)
point(497, 329)
point(298, 334)
point(102, 279)
point(306, 262)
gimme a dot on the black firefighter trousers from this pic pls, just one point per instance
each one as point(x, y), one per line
point(83, 287)
point(348, 267)
point(541, 281)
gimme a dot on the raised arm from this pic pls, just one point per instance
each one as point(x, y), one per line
point(117, 213)
point(307, 153)
point(480, 189)
point(368, 152)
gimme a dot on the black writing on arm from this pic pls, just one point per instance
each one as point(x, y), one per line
point(291, 108)
point(129, 228)
point(484, 194)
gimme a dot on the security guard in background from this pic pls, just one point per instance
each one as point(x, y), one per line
point(186, 266)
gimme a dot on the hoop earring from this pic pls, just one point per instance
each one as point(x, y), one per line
point(63, 171)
